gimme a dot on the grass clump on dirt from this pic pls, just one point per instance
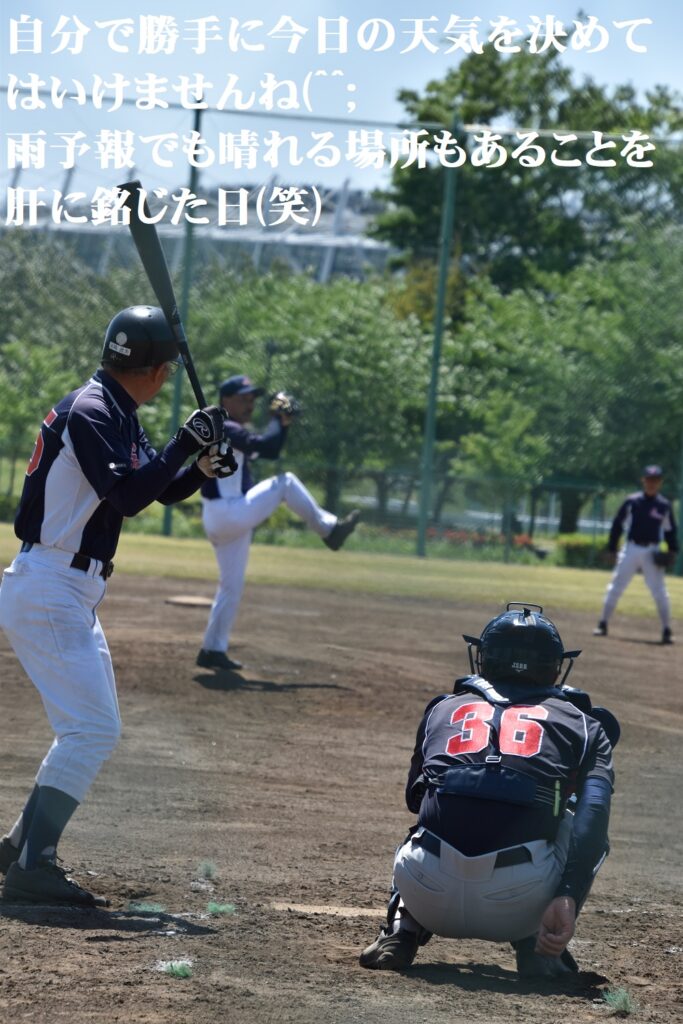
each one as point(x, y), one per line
point(217, 909)
point(207, 869)
point(140, 907)
point(177, 968)
point(620, 1002)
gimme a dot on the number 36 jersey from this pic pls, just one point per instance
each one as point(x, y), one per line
point(494, 767)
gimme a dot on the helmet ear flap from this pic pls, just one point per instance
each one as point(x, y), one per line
point(473, 641)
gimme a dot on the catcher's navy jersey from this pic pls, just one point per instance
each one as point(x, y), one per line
point(91, 466)
point(246, 445)
point(528, 751)
point(646, 520)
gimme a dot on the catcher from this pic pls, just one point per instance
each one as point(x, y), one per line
point(230, 513)
point(511, 779)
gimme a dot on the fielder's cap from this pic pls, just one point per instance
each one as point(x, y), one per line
point(139, 336)
point(240, 384)
point(653, 470)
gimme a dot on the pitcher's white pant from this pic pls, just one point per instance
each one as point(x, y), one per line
point(48, 611)
point(631, 558)
point(470, 898)
point(229, 523)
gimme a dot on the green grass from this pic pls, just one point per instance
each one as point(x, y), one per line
point(178, 968)
point(620, 1002)
point(219, 909)
point(486, 583)
point(140, 907)
point(207, 869)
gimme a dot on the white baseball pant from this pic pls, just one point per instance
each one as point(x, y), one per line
point(229, 523)
point(469, 897)
point(631, 558)
point(48, 611)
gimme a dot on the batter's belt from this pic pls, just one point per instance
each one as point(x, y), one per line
point(81, 562)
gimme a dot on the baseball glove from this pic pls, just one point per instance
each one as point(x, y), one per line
point(285, 404)
point(664, 559)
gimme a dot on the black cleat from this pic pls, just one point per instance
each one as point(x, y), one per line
point(392, 952)
point(600, 629)
point(47, 883)
point(217, 659)
point(342, 529)
point(667, 636)
point(534, 965)
point(8, 855)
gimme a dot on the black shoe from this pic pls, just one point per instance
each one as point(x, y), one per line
point(600, 629)
point(667, 637)
point(8, 855)
point(392, 952)
point(47, 883)
point(341, 530)
point(534, 965)
point(217, 659)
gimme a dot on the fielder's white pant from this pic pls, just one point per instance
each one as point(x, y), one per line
point(48, 611)
point(631, 558)
point(229, 523)
point(470, 898)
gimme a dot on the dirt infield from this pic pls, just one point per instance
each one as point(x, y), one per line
point(289, 780)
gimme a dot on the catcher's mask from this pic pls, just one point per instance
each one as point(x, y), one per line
point(521, 645)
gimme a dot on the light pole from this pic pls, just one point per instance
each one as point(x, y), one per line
point(445, 241)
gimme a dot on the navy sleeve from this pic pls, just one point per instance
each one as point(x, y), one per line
point(414, 793)
point(268, 444)
point(588, 843)
point(140, 487)
point(185, 483)
point(618, 525)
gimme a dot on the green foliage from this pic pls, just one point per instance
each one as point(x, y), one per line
point(581, 552)
point(513, 220)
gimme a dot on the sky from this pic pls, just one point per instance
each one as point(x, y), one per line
point(357, 84)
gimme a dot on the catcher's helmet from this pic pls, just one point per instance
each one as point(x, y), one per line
point(139, 336)
point(520, 645)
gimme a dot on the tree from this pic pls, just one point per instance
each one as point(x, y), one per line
point(513, 221)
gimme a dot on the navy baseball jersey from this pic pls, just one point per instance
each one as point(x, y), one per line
point(246, 446)
point(645, 520)
point(92, 465)
point(491, 773)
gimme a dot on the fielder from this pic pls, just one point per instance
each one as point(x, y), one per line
point(647, 518)
point(233, 508)
point(497, 853)
point(91, 466)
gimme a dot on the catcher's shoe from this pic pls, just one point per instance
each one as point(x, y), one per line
point(341, 530)
point(533, 965)
point(392, 952)
point(8, 855)
point(600, 629)
point(217, 659)
point(47, 883)
point(667, 636)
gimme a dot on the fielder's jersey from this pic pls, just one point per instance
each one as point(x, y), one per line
point(646, 520)
point(524, 752)
point(92, 465)
point(246, 446)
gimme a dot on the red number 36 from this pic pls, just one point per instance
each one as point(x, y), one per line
point(520, 731)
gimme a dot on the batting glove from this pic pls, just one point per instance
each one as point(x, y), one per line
point(218, 460)
point(205, 426)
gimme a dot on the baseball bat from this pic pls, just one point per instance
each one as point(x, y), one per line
point(153, 260)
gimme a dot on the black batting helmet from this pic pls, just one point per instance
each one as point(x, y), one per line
point(521, 645)
point(139, 336)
